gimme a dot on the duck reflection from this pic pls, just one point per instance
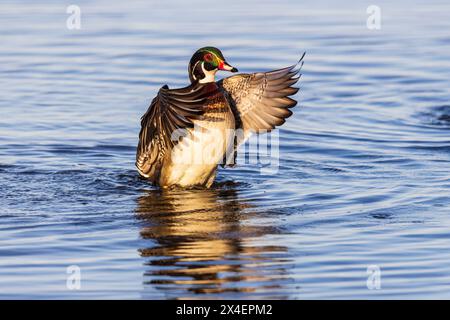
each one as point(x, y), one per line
point(204, 243)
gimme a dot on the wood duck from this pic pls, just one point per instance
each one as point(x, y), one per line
point(186, 133)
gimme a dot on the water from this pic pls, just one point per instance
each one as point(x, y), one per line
point(363, 176)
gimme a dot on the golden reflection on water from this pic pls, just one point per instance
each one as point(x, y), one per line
point(204, 243)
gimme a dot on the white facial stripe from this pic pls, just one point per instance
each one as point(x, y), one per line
point(210, 76)
point(193, 68)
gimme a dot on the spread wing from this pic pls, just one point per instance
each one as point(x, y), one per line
point(261, 100)
point(170, 110)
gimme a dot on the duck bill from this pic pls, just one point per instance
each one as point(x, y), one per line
point(226, 67)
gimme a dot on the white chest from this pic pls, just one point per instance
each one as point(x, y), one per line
point(194, 160)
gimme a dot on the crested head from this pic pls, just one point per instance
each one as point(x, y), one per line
point(205, 63)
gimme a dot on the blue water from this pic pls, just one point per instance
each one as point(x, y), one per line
point(364, 167)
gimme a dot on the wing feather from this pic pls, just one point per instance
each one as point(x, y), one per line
point(170, 110)
point(261, 100)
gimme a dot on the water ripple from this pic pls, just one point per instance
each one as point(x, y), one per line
point(361, 178)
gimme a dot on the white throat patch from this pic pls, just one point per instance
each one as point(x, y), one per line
point(210, 76)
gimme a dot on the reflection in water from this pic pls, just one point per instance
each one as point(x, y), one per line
point(205, 244)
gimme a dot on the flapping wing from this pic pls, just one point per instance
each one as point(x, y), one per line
point(261, 100)
point(170, 110)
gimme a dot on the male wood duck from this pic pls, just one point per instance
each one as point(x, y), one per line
point(187, 132)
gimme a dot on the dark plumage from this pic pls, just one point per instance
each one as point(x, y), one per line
point(170, 110)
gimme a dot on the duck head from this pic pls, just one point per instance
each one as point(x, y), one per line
point(205, 63)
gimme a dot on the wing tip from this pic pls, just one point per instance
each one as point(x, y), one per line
point(299, 64)
point(301, 58)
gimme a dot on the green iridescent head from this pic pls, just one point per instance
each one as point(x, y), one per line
point(205, 63)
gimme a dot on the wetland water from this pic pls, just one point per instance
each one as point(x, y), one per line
point(364, 167)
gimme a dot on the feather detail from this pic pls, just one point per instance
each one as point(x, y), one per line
point(261, 101)
point(170, 110)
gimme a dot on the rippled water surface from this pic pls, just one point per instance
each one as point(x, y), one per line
point(364, 167)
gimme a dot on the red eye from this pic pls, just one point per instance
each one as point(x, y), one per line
point(208, 57)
